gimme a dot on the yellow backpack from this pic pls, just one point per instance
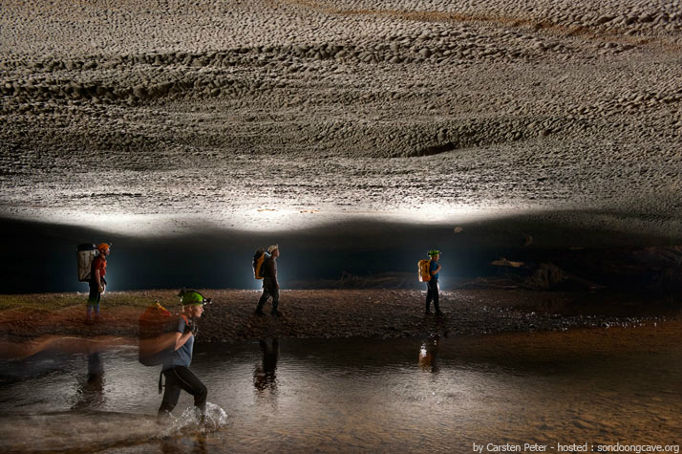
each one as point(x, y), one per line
point(424, 270)
point(258, 259)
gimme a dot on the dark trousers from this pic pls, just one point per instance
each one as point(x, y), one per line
point(269, 290)
point(93, 300)
point(179, 378)
point(432, 295)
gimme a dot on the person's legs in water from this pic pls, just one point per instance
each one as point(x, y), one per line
point(170, 395)
point(190, 383)
point(179, 378)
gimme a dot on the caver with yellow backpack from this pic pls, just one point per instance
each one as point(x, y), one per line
point(428, 272)
point(265, 267)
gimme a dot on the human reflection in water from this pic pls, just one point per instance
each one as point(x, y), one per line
point(428, 353)
point(264, 377)
point(91, 392)
point(195, 445)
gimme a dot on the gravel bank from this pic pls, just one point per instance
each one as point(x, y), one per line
point(337, 314)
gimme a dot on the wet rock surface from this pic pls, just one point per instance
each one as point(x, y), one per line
point(348, 107)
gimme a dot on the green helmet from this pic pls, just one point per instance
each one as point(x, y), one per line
point(192, 297)
point(433, 252)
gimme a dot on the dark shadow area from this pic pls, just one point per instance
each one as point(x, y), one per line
point(436, 149)
point(38, 257)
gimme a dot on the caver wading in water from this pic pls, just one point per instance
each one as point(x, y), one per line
point(176, 364)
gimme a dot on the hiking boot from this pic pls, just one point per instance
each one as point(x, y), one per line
point(439, 314)
point(276, 314)
point(259, 313)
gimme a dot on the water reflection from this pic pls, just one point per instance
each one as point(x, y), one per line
point(194, 445)
point(264, 376)
point(428, 353)
point(91, 392)
point(363, 395)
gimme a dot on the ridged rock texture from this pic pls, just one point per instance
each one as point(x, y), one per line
point(314, 109)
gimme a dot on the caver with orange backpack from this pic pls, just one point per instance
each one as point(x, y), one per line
point(176, 363)
point(97, 280)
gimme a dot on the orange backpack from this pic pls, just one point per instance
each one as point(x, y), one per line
point(424, 270)
point(157, 334)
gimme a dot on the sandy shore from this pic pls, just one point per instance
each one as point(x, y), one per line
point(334, 314)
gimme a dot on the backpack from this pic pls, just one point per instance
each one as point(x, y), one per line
point(424, 267)
point(258, 259)
point(85, 256)
point(157, 334)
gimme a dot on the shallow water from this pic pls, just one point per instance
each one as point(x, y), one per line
point(354, 396)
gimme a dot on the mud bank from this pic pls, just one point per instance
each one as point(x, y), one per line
point(335, 314)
